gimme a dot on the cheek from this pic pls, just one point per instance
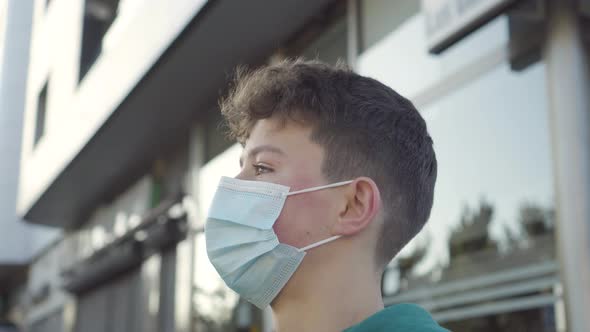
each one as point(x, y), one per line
point(303, 220)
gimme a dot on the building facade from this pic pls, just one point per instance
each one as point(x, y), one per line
point(121, 152)
point(19, 242)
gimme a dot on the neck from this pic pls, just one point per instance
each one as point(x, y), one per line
point(334, 297)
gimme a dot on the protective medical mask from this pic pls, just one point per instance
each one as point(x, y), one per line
point(242, 244)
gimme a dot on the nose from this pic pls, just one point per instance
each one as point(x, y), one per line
point(241, 176)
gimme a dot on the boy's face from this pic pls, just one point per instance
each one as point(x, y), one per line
point(286, 155)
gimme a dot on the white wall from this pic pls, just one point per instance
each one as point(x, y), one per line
point(141, 33)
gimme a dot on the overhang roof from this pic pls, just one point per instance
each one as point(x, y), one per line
point(183, 85)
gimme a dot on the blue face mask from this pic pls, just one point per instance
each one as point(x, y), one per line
point(241, 243)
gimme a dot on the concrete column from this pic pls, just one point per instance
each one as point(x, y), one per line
point(186, 286)
point(569, 97)
point(15, 238)
point(352, 32)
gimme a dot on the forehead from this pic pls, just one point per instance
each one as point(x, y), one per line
point(292, 138)
point(278, 130)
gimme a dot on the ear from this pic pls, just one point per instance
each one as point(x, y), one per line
point(361, 206)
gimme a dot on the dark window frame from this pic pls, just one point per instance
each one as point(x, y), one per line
point(41, 113)
point(99, 15)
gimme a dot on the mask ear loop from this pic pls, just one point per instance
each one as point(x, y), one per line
point(332, 185)
point(337, 184)
point(317, 244)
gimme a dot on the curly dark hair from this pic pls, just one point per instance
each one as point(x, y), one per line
point(364, 127)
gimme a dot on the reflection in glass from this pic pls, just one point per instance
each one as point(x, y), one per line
point(401, 60)
point(487, 254)
point(494, 166)
point(488, 246)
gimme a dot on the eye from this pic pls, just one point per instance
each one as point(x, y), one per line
point(261, 169)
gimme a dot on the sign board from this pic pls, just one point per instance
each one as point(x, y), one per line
point(448, 21)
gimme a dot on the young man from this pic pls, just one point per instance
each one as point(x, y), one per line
point(338, 174)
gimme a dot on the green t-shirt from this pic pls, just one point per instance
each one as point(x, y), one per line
point(400, 317)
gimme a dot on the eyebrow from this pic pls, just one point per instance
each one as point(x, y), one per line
point(262, 148)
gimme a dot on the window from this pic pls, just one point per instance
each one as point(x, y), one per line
point(330, 45)
point(486, 260)
point(380, 17)
point(98, 17)
point(324, 37)
point(41, 114)
point(130, 302)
